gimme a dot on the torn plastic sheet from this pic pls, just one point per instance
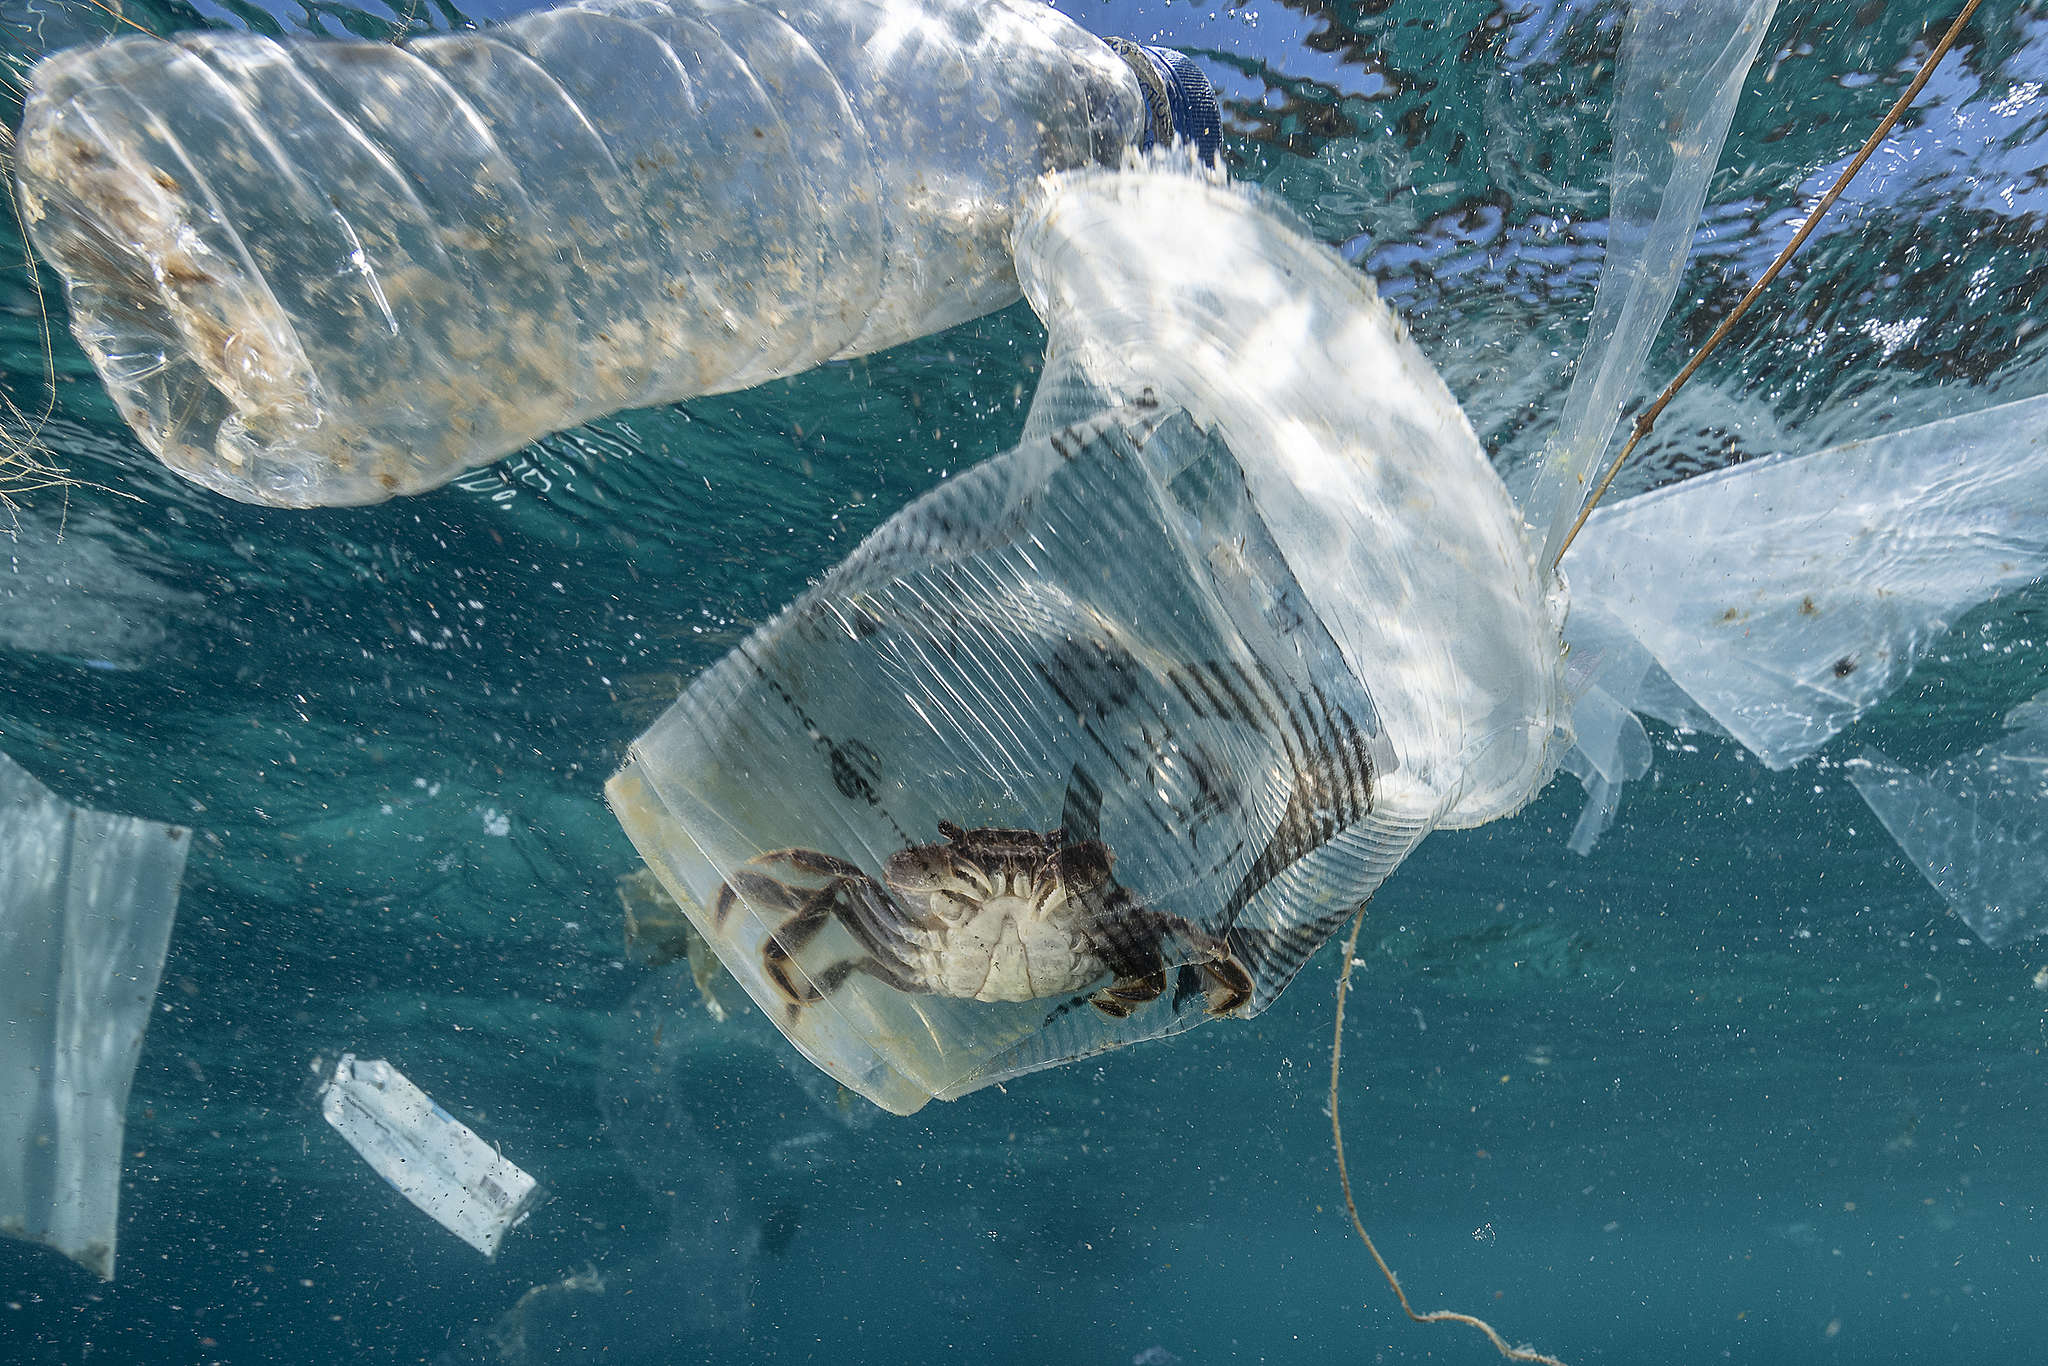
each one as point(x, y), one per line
point(1787, 595)
point(1612, 750)
point(1976, 827)
point(1104, 737)
point(1614, 683)
point(67, 590)
point(658, 933)
point(1682, 66)
point(86, 905)
point(429, 1157)
point(1780, 599)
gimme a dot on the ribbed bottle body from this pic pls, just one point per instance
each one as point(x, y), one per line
point(316, 272)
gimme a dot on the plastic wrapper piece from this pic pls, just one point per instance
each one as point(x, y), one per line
point(1102, 738)
point(1612, 750)
point(86, 905)
point(1787, 595)
point(429, 1157)
point(1613, 683)
point(1976, 827)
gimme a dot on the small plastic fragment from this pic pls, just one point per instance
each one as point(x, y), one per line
point(547, 1302)
point(658, 932)
point(1612, 751)
point(1976, 827)
point(86, 904)
point(429, 1157)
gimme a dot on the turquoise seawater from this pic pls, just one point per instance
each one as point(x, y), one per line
point(1736, 1087)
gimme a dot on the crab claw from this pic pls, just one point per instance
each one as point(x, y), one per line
point(1228, 987)
point(1126, 994)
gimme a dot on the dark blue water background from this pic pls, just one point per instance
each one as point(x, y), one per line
point(1737, 1087)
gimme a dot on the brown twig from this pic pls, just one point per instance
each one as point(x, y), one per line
point(1648, 418)
point(1500, 1343)
point(114, 12)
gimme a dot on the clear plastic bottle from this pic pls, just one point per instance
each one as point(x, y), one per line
point(317, 272)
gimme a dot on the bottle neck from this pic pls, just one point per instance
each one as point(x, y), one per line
point(1180, 105)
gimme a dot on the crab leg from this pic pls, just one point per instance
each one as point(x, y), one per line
point(748, 885)
point(876, 920)
point(834, 977)
point(1134, 940)
point(1229, 985)
point(1126, 994)
point(757, 888)
point(789, 937)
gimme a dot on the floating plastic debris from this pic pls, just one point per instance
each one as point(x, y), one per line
point(316, 272)
point(733, 1179)
point(1977, 826)
point(658, 933)
point(541, 1305)
point(1785, 596)
point(429, 1157)
point(86, 905)
point(1778, 600)
point(66, 591)
point(1682, 67)
point(1610, 747)
point(1102, 738)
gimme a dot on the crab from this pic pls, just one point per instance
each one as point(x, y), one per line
point(988, 915)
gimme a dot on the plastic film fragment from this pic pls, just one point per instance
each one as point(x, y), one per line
point(429, 1157)
point(1977, 826)
point(86, 905)
point(1786, 596)
point(1683, 63)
